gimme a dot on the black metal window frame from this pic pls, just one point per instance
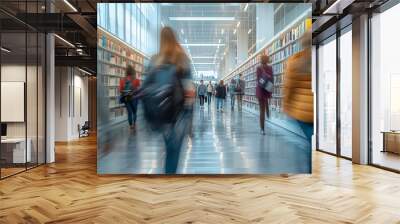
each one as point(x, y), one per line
point(44, 80)
point(339, 32)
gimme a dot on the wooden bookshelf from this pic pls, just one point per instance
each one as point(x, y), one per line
point(113, 56)
point(279, 49)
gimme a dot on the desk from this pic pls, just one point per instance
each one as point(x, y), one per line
point(391, 141)
point(13, 150)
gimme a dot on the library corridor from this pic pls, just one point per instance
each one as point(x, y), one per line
point(226, 142)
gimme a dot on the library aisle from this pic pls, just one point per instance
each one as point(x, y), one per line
point(222, 143)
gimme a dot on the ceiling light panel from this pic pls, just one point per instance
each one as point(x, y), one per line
point(205, 18)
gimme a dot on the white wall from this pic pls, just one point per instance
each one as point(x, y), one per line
point(71, 102)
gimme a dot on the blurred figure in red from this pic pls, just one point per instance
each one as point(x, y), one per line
point(168, 96)
point(263, 93)
point(127, 87)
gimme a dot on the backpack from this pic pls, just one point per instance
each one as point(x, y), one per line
point(128, 94)
point(238, 88)
point(162, 96)
point(265, 81)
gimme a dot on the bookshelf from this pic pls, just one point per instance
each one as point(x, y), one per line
point(279, 49)
point(113, 56)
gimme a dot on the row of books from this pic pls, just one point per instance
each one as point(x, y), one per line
point(113, 57)
point(278, 80)
point(251, 84)
point(119, 49)
point(287, 51)
point(250, 91)
point(250, 77)
point(113, 92)
point(292, 35)
point(275, 104)
point(252, 99)
point(277, 92)
point(110, 81)
point(278, 68)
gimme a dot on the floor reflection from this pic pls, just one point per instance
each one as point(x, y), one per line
point(222, 143)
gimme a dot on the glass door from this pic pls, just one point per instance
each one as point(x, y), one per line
point(326, 75)
point(345, 42)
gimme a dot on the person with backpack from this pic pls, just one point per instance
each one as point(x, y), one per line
point(202, 91)
point(232, 93)
point(240, 86)
point(168, 96)
point(209, 92)
point(220, 95)
point(264, 89)
point(127, 88)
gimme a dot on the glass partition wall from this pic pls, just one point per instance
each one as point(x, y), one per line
point(22, 77)
point(334, 97)
point(385, 89)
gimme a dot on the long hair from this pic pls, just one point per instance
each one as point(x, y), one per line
point(170, 50)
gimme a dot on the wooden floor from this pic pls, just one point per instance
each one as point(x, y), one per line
point(70, 191)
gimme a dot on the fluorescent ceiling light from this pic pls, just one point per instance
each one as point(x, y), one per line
point(248, 32)
point(238, 24)
point(70, 5)
point(5, 50)
point(205, 18)
point(65, 41)
point(246, 6)
point(204, 45)
point(219, 41)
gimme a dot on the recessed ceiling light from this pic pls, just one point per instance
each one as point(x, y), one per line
point(234, 31)
point(248, 32)
point(238, 24)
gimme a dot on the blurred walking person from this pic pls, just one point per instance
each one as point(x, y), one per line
point(232, 92)
point(220, 95)
point(168, 96)
point(127, 87)
point(202, 91)
point(264, 89)
point(210, 91)
point(240, 86)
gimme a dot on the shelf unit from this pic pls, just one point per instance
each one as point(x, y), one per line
point(279, 49)
point(113, 56)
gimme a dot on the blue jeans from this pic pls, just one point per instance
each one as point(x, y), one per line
point(209, 95)
point(308, 129)
point(233, 100)
point(131, 106)
point(220, 103)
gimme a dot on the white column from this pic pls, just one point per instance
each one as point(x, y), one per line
point(264, 24)
point(242, 43)
point(360, 90)
point(50, 99)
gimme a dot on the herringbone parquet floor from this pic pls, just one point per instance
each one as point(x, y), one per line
point(70, 191)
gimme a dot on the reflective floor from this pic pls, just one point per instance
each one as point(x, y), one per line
point(226, 142)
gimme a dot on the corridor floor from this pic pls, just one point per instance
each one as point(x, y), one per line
point(226, 142)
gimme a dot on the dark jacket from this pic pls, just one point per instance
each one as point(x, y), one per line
point(220, 91)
